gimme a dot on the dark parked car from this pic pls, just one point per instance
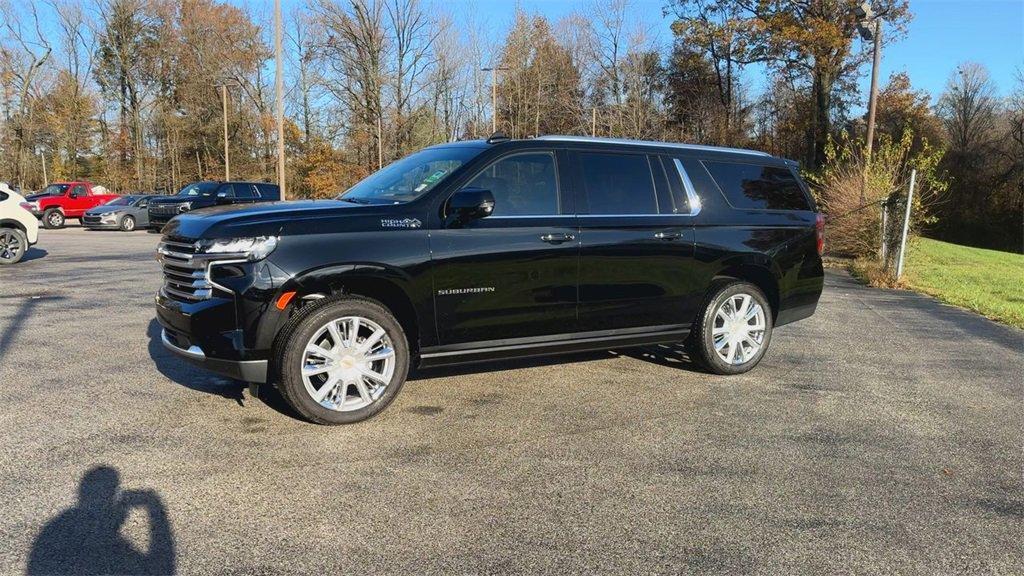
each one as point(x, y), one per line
point(209, 193)
point(126, 213)
point(474, 251)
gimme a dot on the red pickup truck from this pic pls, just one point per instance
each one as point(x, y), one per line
point(62, 200)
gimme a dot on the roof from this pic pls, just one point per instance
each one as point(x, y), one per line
point(651, 143)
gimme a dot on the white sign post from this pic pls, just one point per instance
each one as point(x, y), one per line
point(906, 224)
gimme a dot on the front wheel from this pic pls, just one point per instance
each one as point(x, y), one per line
point(343, 362)
point(734, 329)
point(128, 223)
point(13, 245)
point(53, 218)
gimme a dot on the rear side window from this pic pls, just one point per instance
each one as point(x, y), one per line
point(3, 196)
point(758, 187)
point(522, 185)
point(618, 183)
point(244, 191)
point(228, 190)
point(269, 191)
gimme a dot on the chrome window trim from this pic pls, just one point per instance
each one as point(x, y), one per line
point(691, 192)
point(628, 142)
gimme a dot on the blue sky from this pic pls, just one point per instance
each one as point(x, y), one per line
point(942, 34)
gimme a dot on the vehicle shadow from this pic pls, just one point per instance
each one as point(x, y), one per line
point(194, 378)
point(87, 539)
point(33, 253)
point(669, 355)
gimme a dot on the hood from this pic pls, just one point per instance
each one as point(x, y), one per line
point(35, 197)
point(267, 218)
point(174, 199)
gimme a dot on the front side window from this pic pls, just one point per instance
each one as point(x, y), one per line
point(410, 177)
point(78, 190)
point(618, 184)
point(758, 187)
point(522, 185)
point(142, 203)
point(199, 189)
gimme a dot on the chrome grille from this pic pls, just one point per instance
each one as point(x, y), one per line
point(185, 274)
point(164, 209)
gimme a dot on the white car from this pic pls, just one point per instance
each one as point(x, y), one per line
point(19, 229)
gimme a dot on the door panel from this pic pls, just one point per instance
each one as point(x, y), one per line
point(496, 278)
point(512, 274)
point(636, 269)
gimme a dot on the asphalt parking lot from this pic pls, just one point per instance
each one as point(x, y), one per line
point(883, 435)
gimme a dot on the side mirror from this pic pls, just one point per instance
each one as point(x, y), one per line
point(75, 195)
point(470, 204)
point(223, 198)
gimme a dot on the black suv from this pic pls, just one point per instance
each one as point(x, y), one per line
point(208, 193)
point(474, 251)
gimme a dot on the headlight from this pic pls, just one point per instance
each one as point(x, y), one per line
point(184, 207)
point(251, 249)
point(109, 216)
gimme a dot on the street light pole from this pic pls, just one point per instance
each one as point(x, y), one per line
point(494, 95)
point(279, 94)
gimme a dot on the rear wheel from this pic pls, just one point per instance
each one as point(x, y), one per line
point(13, 245)
point(343, 362)
point(128, 223)
point(734, 329)
point(53, 218)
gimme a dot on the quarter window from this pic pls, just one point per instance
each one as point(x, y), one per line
point(618, 184)
point(758, 187)
point(522, 185)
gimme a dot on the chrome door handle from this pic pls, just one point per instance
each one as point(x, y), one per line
point(557, 238)
point(668, 235)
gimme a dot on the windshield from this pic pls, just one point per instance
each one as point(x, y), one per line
point(199, 189)
point(410, 177)
point(54, 190)
point(122, 201)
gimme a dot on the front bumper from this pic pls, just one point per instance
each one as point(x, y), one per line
point(97, 224)
point(246, 370)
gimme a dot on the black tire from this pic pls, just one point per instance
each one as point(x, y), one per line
point(128, 224)
point(53, 219)
point(702, 342)
point(288, 357)
point(13, 245)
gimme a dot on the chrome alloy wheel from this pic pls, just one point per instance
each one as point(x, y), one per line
point(10, 245)
point(738, 332)
point(348, 364)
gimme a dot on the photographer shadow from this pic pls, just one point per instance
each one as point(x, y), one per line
point(87, 538)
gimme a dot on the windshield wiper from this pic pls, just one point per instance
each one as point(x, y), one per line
point(355, 200)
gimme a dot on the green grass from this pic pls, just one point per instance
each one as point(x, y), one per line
point(986, 281)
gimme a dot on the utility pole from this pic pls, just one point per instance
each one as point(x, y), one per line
point(46, 179)
point(873, 97)
point(380, 144)
point(494, 95)
point(224, 106)
point(593, 121)
point(870, 28)
point(279, 94)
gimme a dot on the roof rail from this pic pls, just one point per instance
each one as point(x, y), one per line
point(628, 142)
